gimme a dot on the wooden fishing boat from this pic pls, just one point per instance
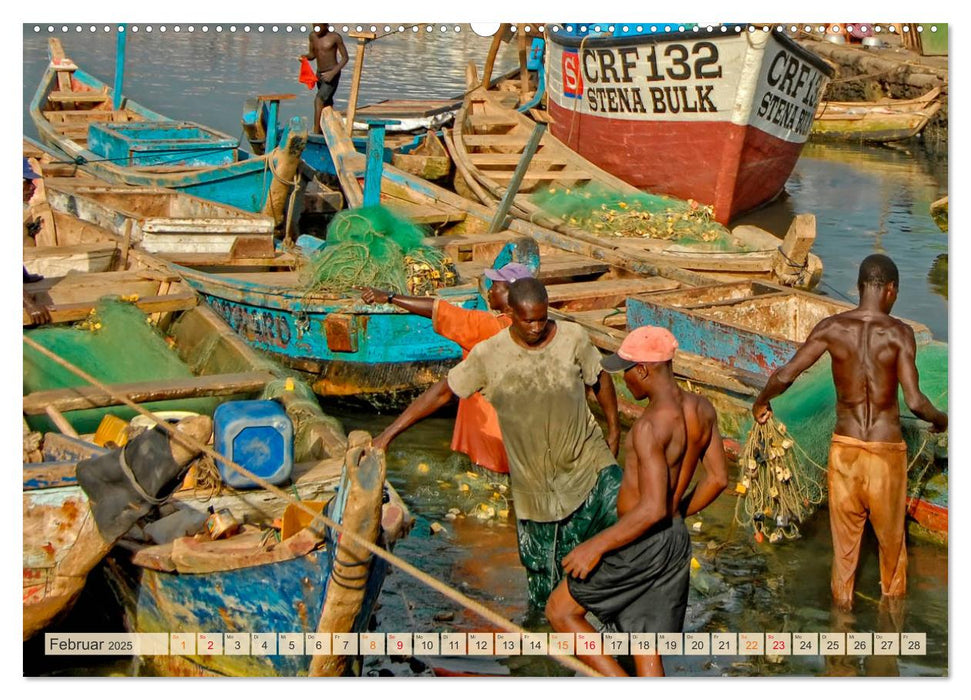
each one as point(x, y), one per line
point(882, 121)
point(162, 221)
point(380, 352)
point(412, 143)
point(309, 581)
point(718, 117)
point(75, 113)
point(489, 140)
point(61, 545)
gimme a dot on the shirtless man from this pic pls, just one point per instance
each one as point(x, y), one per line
point(634, 574)
point(325, 47)
point(873, 353)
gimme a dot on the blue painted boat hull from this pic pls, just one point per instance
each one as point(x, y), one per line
point(377, 352)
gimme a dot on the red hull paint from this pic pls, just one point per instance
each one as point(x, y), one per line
point(931, 516)
point(732, 167)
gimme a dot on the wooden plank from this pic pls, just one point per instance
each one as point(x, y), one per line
point(427, 214)
point(62, 313)
point(603, 293)
point(226, 260)
point(494, 140)
point(535, 175)
point(70, 96)
point(79, 398)
point(480, 120)
point(488, 159)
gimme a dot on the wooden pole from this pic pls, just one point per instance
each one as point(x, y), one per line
point(523, 70)
point(363, 481)
point(120, 65)
point(491, 56)
point(58, 419)
point(283, 161)
point(517, 178)
point(362, 40)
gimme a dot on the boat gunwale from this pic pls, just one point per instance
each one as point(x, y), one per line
point(588, 41)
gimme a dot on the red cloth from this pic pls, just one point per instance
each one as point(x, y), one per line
point(307, 75)
point(476, 423)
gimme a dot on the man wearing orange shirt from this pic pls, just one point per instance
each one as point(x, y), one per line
point(476, 431)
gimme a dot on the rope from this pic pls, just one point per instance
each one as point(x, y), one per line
point(791, 262)
point(436, 585)
point(126, 470)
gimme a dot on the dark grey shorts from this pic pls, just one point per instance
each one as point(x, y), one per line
point(642, 587)
point(327, 90)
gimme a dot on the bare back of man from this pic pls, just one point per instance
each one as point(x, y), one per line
point(634, 575)
point(873, 355)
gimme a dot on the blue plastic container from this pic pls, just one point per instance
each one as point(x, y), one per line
point(256, 435)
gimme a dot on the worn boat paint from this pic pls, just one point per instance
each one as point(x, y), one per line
point(718, 117)
point(244, 182)
point(754, 327)
point(370, 350)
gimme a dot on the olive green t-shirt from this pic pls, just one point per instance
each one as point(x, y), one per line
point(554, 444)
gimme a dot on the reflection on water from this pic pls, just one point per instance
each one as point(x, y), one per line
point(206, 77)
point(869, 199)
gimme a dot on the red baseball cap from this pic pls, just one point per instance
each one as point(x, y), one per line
point(644, 344)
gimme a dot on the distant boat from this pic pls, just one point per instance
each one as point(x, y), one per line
point(882, 121)
point(706, 114)
point(74, 114)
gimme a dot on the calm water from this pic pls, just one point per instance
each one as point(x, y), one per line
point(865, 200)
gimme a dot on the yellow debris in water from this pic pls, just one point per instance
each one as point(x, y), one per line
point(423, 468)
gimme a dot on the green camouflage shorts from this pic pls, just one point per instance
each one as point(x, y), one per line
point(542, 546)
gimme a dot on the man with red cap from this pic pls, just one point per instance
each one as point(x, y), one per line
point(476, 431)
point(634, 574)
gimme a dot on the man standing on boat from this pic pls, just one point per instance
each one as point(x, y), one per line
point(564, 475)
point(872, 353)
point(634, 574)
point(327, 48)
point(476, 431)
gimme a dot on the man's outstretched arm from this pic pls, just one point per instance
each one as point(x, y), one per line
point(421, 306)
point(780, 380)
point(909, 380)
point(434, 398)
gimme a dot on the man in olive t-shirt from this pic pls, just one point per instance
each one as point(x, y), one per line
point(564, 476)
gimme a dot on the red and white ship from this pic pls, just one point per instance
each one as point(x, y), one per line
point(718, 117)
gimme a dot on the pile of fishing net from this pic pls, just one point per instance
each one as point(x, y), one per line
point(595, 208)
point(807, 410)
point(116, 344)
point(776, 494)
point(373, 247)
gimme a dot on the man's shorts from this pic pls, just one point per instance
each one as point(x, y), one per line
point(327, 90)
point(643, 586)
point(542, 545)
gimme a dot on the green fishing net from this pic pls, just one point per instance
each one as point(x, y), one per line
point(116, 344)
point(374, 247)
point(599, 210)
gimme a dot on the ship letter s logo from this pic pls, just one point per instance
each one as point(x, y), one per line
point(572, 77)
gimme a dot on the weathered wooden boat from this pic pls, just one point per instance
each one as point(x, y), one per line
point(122, 142)
point(718, 117)
point(489, 140)
point(732, 336)
point(162, 221)
point(412, 142)
point(309, 581)
point(882, 121)
point(380, 352)
point(60, 543)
